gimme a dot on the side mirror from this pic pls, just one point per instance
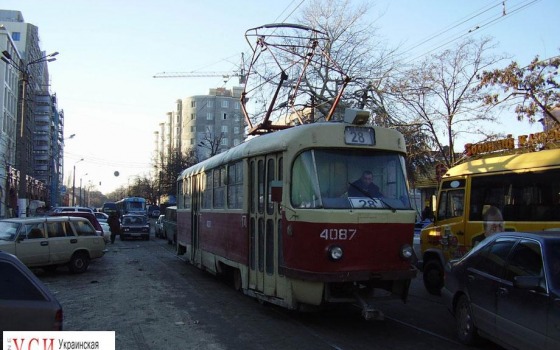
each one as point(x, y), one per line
point(276, 191)
point(527, 282)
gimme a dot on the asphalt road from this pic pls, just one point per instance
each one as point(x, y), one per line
point(154, 300)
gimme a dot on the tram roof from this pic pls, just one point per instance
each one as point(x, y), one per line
point(511, 162)
point(302, 136)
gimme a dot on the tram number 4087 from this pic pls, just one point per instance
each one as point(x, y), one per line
point(338, 234)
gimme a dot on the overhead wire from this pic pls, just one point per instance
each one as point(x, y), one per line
point(517, 7)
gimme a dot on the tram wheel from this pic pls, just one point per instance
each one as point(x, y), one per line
point(237, 281)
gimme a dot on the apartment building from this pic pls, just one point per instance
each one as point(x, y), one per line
point(31, 125)
point(207, 124)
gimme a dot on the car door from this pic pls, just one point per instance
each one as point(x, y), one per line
point(32, 246)
point(522, 313)
point(60, 241)
point(482, 281)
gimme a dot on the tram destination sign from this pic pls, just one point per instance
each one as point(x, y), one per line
point(354, 135)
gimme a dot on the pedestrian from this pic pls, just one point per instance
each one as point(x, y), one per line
point(114, 226)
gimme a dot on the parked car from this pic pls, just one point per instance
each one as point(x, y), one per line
point(134, 226)
point(158, 226)
point(101, 230)
point(52, 241)
point(507, 289)
point(67, 209)
point(170, 224)
point(101, 216)
point(153, 211)
point(26, 304)
point(103, 221)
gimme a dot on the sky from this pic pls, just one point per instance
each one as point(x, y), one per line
point(109, 51)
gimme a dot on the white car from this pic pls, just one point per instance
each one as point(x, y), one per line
point(67, 209)
point(52, 241)
point(159, 226)
point(102, 219)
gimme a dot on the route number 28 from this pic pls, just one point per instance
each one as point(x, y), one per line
point(338, 234)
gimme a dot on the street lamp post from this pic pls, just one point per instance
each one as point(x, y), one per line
point(82, 192)
point(74, 183)
point(22, 143)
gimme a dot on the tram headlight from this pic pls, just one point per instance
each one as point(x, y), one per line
point(406, 251)
point(335, 252)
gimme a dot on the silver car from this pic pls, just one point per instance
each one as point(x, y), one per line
point(51, 241)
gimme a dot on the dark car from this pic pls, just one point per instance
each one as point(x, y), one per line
point(135, 226)
point(507, 289)
point(170, 224)
point(26, 304)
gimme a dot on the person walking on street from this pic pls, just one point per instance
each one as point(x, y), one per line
point(114, 226)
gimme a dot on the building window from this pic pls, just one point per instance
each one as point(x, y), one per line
point(224, 141)
point(224, 128)
point(224, 117)
point(209, 103)
point(236, 105)
point(209, 116)
point(193, 128)
point(193, 104)
point(16, 36)
point(225, 103)
point(236, 142)
point(236, 130)
point(192, 116)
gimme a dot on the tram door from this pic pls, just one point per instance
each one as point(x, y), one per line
point(263, 226)
point(197, 191)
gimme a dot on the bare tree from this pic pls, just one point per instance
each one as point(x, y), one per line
point(212, 142)
point(441, 94)
point(535, 88)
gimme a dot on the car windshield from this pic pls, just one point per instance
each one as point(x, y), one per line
point(344, 179)
point(8, 230)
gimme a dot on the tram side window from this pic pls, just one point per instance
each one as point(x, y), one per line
point(187, 193)
point(451, 204)
point(235, 186)
point(180, 193)
point(207, 194)
point(219, 187)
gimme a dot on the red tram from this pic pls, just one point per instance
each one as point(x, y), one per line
point(277, 213)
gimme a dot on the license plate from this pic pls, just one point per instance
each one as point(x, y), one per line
point(359, 136)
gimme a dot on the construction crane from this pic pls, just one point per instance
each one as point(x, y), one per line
point(225, 75)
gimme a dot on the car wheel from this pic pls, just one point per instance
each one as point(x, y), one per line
point(466, 330)
point(79, 262)
point(433, 277)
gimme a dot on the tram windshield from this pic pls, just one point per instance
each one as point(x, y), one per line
point(345, 178)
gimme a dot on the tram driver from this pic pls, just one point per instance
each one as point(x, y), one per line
point(364, 186)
